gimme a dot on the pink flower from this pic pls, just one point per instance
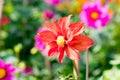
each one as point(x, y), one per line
point(95, 15)
point(48, 14)
point(63, 37)
point(52, 2)
point(39, 44)
point(6, 71)
point(27, 70)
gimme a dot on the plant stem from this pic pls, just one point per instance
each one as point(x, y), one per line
point(47, 63)
point(87, 65)
point(76, 68)
point(1, 7)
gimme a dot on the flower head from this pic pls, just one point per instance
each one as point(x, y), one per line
point(63, 37)
point(52, 2)
point(27, 70)
point(48, 14)
point(5, 20)
point(95, 15)
point(6, 71)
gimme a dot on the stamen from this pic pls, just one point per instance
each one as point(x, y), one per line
point(60, 41)
point(2, 73)
point(94, 15)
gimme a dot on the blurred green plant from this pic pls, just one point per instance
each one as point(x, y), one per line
point(17, 45)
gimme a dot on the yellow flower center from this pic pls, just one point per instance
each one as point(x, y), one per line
point(60, 41)
point(94, 15)
point(2, 73)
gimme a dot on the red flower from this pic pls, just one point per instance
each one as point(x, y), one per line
point(63, 37)
point(5, 20)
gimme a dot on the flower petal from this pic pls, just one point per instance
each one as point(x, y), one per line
point(54, 27)
point(61, 54)
point(81, 42)
point(47, 36)
point(52, 51)
point(1, 63)
point(72, 53)
point(70, 35)
point(53, 44)
point(64, 24)
point(77, 27)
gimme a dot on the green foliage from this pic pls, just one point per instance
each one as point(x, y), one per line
point(17, 44)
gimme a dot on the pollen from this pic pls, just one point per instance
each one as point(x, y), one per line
point(2, 73)
point(94, 15)
point(60, 41)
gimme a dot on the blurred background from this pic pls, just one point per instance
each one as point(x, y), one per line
point(19, 24)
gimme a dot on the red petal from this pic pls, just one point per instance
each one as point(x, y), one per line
point(53, 44)
point(53, 51)
point(77, 27)
point(81, 42)
point(70, 35)
point(47, 36)
point(61, 55)
point(72, 53)
point(64, 24)
point(54, 27)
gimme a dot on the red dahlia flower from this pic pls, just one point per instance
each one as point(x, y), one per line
point(63, 37)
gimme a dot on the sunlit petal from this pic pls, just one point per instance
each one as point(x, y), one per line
point(81, 42)
point(72, 53)
point(47, 36)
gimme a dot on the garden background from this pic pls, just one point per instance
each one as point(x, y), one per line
point(19, 24)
